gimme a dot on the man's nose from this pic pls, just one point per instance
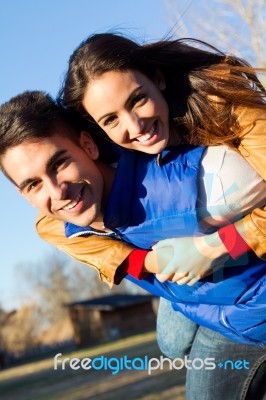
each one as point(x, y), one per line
point(57, 190)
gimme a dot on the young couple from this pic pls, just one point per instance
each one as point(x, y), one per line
point(147, 98)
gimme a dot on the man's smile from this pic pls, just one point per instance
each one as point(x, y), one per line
point(73, 203)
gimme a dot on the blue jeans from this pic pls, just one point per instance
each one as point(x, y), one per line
point(178, 336)
point(175, 332)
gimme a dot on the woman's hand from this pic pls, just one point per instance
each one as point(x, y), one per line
point(186, 260)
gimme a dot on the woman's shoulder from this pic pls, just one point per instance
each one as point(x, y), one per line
point(252, 145)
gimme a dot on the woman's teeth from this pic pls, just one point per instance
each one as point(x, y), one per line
point(144, 138)
point(148, 135)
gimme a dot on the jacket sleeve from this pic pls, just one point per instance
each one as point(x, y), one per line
point(253, 147)
point(99, 252)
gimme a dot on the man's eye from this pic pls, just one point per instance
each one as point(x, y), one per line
point(32, 186)
point(57, 164)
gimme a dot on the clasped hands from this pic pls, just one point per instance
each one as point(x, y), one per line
point(186, 260)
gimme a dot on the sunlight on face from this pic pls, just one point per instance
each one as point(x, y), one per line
point(58, 177)
point(130, 108)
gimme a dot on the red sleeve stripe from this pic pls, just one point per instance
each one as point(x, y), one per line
point(233, 241)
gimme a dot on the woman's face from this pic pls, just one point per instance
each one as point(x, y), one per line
point(130, 108)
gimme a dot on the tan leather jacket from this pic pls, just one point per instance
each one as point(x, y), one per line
point(99, 252)
point(106, 254)
point(253, 148)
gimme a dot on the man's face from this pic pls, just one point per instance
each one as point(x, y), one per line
point(59, 177)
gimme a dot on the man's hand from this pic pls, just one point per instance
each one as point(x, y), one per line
point(187, 260)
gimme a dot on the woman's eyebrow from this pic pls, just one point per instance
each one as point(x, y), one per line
point(132, 94)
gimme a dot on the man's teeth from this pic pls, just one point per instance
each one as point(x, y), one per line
point(73, 203)
point(147, 136)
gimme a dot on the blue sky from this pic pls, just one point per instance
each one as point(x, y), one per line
point(37, 38)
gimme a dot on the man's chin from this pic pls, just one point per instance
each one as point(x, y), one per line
point(83, 220)
point(82, 224)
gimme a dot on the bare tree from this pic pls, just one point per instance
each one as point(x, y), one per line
point(59, 280)
point(56, 281)
point(235, 26)
point(4, 321)
point(45, 288)
point(19, 331)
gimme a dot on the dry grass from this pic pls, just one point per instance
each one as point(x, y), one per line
point(39, 380)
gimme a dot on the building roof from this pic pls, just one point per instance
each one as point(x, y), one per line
point(112, 302)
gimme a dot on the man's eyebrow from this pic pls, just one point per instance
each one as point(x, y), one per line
point(26, 182)
point(54, 158)
point(49, 163)
point(127, 101)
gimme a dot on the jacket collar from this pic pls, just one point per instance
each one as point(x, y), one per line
point(72, 231)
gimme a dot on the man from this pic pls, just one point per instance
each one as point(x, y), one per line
point(55, 166)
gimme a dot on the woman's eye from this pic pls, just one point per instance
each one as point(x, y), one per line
point(110, 120)
point(138, 99)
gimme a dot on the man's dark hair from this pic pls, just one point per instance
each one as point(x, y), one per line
point(30, 116)
point(33, 115)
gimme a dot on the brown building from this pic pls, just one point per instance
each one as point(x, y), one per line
point(107, 318)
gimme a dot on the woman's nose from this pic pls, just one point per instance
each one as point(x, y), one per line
point(134, 125)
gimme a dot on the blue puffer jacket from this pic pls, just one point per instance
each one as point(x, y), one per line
point(149, 203)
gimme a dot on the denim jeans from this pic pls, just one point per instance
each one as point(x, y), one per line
point(178, 336)
point(175, 332)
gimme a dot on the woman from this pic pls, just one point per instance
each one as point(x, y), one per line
point(212, 99)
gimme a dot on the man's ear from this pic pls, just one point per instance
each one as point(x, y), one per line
point(88, 145)
point(159, 80)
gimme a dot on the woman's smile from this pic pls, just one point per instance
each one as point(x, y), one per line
point(130, 108)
